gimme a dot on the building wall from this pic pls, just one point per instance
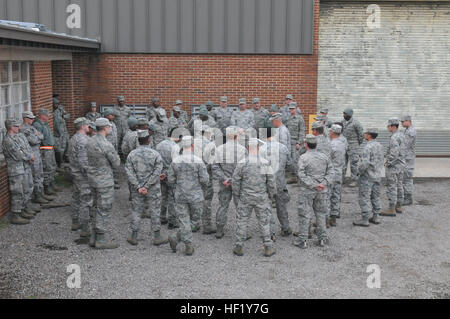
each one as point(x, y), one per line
point(41, 97)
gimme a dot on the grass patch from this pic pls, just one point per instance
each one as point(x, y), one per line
point(3, 223)
point(62, 181)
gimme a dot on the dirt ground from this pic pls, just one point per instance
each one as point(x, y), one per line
point(412, 251)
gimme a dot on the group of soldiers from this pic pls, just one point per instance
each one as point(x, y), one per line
point(172, 162)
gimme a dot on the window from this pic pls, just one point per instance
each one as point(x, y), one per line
point(14, 91)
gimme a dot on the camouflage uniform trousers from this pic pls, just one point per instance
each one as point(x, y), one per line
point(335, 198)
point(167, 203)
point(61, 143)
point(281, 200)
point(309, 204)
point(225, 194)
point(38, 173)
point(263, 214)
point(21, 189)
point(188, 215)
point(352, 156)
point(49, 166)
point(208, 194)
point(104, 198)
point(394, 185)
point(82, 200)
point(408, 174)
point(369, 197)
point(141, 203)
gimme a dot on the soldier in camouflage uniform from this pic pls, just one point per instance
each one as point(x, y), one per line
point(326, 130)
point(112, 138)
point(243, 118)
point(103, 160)
point(151, 111)
point(93, 115)
point(130, 142)
point(47, 151)
point(143, 168)
point(203, 118)
point(282, 133)
point(327, 123)
point(315, 173)
point(272, 111)
point(323, 144)
point(81, 193)
point(296, 126)
point(369, 168)
point(35, 138)
point(176, 120)
point(122, 112)
point(410, 159)
point(183, 113)
point(168, 149)
point(222, 115)
point(284, 110)
point(225, 160)
point(60, 116)
point(188, 175)
point(18, 158)
point(259, 113)
point(279, 158)
point(254, 186)
point(395, 166)
point(161, 127)
point(338, 150)
point(204, 148)
point(353, 132)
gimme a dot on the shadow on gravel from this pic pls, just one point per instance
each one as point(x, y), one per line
point(52, 247)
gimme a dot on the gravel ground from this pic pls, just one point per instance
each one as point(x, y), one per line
point(412, 250)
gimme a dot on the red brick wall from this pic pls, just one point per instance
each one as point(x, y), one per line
point(41, 97)
point(198, 78)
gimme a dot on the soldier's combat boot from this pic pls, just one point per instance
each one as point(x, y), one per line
point(158, 239)
point(286, 232)
point(209, 229)
point(49, 191)
point(29, 210)
point(363, 222)
point(333, 221)
point(408, 200)
point(301, 244)
point(220, 233)
point(38, 199)
point(390, 212)
point(132, 240)
point(269, 251)
point(16, 219)
point(84, 233)
point(398, 209)
point(48, 198)
point(173, 243)
point(189, 250)
point(374, 220)
point(26, 215)
point(195, 228)
point(238, 251)
point(102, 243)
point(75, 224)
point(35, 207)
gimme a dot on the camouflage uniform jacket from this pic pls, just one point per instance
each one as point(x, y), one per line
point(225, 160)
point(243, 120)
point(371, 162)
point(314, 168)
point(143, 167)
point(395, 155)
point(77, 153)
point(17, 155)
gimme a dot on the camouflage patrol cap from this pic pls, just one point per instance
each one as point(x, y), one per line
point(405, 118)
point(336, 129)
point(186, 142)
point(142, 121)
point(276, 116)
point(311, 139)
point(28, 115)
point(203, 110)
point(371, 131)
point(92, 125)
point(152, 127)
point(242, 101)
point(320, 117)
point(273, 108)
point(289, 97)
point(348, 111)
point(155, 99)
point(293, 105)
point(393, 121)
point(132, 122)
point(256, 100)
point(93, 104)
point(108, 112)
point(142, 133)
point(11, 122)
point(80, 120)
point(43, 112)
point(316, 125)
point(209, 103)
point(324, 111)
point(55, 100)
point(176, 108)
point(101, 122)
point(178, 102)
point(224, 99)
point(121, 98)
